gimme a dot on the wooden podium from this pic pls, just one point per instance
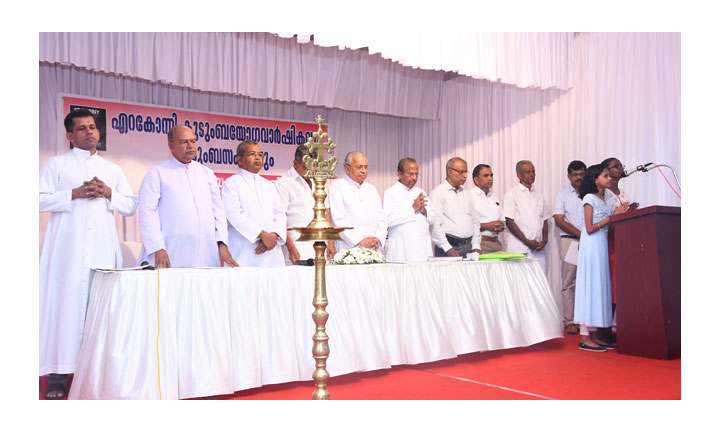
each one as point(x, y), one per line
point(647, 276)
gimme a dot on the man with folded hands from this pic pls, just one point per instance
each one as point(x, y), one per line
point(256, 220)
point(408, 213)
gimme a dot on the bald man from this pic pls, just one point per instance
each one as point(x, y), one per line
point(182, 218)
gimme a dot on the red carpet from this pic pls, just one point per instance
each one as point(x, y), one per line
point(554, 369)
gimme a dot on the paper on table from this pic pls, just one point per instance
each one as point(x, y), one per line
point(571, 256)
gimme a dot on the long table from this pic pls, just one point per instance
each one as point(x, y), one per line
point(184, 333)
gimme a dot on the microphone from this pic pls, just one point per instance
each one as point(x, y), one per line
point(146, 266)
point(307, 262)
point(642, 168)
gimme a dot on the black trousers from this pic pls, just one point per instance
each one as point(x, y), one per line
point(462, 246)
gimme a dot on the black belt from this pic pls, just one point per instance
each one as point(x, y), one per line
point(457, 241)
point(570, 237)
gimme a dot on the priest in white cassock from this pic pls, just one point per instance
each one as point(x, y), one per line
point(408, 213)
point(182, 220)
point(81, 190)
point(257, 222)
point(356, 203)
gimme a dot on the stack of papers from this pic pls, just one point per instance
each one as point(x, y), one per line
point(502, 256)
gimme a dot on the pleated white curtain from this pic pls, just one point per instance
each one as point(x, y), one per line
point(258, 65)
point(625, 103)
point(541, 60)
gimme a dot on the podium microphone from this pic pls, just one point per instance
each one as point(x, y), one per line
point(307, 262)
point(146, 266)
point(642, 168)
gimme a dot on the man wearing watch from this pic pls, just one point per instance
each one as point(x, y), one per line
point(256, 220)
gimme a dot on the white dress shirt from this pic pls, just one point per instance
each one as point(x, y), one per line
point(487, 209)
point(569, 204)
point(180, 210)
point(455, 214)
point(252, 205)
point(408, 230)
point(528, 209)
point(358, 206)
point(81, 234)
point(297, 201)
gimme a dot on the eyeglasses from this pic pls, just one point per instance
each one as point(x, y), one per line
point(461, 172)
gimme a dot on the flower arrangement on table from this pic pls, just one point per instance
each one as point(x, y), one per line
point(358, 255)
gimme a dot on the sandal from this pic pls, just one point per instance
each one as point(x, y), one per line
point(55, 391)
point(57, 387)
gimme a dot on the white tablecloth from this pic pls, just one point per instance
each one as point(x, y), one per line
point(223, 330)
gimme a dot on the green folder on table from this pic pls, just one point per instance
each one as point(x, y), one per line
point(502, 256)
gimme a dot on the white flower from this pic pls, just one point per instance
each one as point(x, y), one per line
point(359, 255)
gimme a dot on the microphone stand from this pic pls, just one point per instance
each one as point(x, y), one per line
point(667, 166)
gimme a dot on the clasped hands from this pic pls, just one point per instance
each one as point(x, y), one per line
point(266, 241)
point(92, 189)
point(370, 243)
point(622, 208)
point(419, 203)
point(496, 226)
point(536, 245)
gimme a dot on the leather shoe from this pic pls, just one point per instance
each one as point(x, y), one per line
point(582, 346)
point(607, 344)
point(572, 329)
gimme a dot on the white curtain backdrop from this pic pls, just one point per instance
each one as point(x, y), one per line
point(259, 65)
point(541, 60)
point(625, 103)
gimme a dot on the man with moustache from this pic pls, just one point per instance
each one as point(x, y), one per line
point(356, 203)
point(81, 190)
point(488, 212)
point(526, 215)
point(569, 218)
point(408, 214)
point(256, 220)
point(454, 232)
point(182, 219)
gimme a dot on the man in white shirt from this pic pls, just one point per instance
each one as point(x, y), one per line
point(296, 199)
point(526, 215)
point(454, 232)
point(569, 218)
point(488, 212)
point(182, 220)
point(408, 214)
point(356, 203)
point(256, 221)
point(81, 190)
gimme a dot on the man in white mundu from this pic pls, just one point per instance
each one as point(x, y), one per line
point(257, 222)
point(81, 190)
point(356, 203)
point(526, 215)
point(408, 213)
point(296, 199)
point(182, 220)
